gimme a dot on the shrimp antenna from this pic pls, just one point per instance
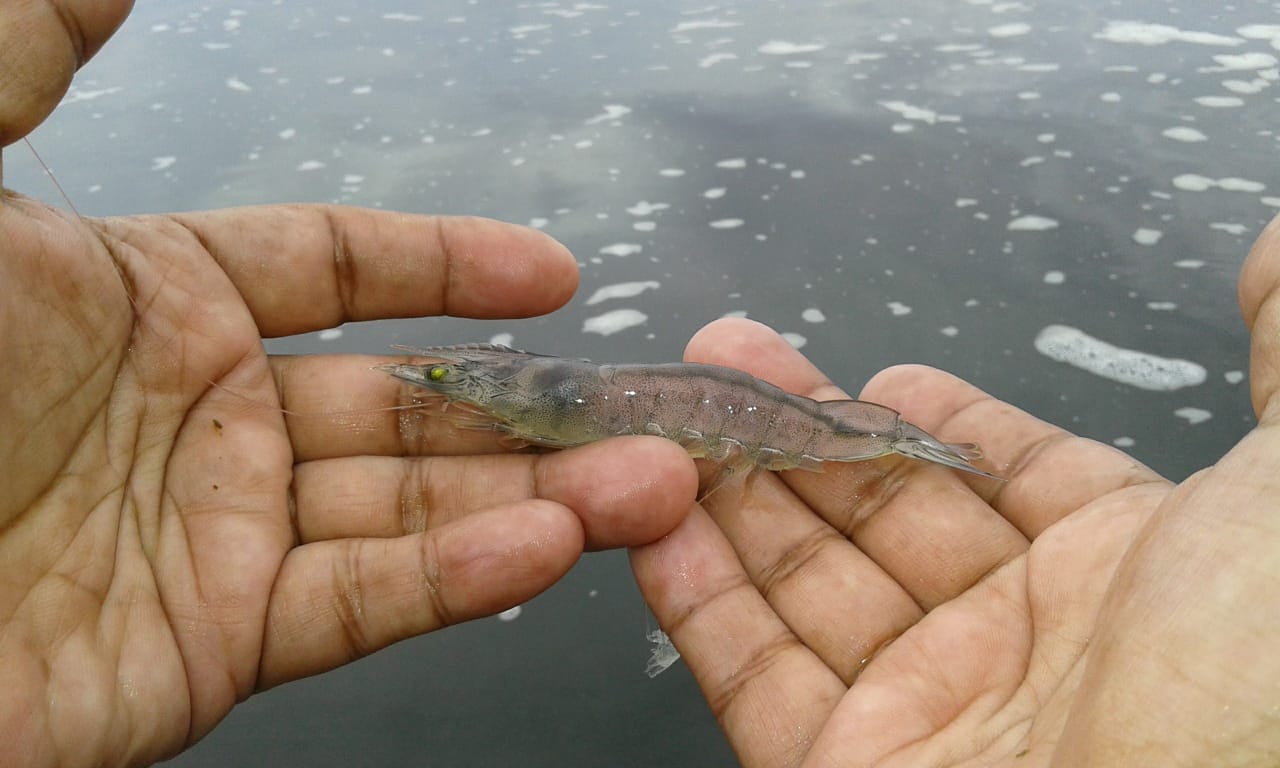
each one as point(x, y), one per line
point(49, 172)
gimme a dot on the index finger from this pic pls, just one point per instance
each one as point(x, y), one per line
point(302, 268)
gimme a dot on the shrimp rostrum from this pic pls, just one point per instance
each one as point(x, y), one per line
point(715, 413)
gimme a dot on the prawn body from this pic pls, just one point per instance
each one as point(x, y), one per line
point(717, 413)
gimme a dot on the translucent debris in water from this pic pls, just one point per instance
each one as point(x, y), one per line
point(663, 654)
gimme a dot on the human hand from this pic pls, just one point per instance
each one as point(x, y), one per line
point(1086, 612)
point(171, 540)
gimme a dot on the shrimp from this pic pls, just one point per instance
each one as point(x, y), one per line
point(716, 413)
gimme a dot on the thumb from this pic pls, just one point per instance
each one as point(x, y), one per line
point(42, 44)
point(1260, 303)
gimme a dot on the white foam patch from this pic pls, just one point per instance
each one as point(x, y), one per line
point(1194, 182)
point(622, 291)
point(1260, 31)
point(813, 315)
point(921, 114)
point(898, 308)
point(511, 614)
point(785, 48)
point(662, 655)
point(726, 223)
point(161, 163)
point(611, 112)
point(1183, 133)
point(329, 334)
point(1055, 277)
point(714, 59)
point(79, 94)
point(1231, 228)
point(689, 26)
point(612, 322)
point(1009, 30)
point(794, 339)
point(621, 249)
point(1144, 236)
point(505, 339)
point(1126, 366)
point(1244, 61)
point(236, 84)
point(522, 31)
point(1139, 33)
point(310, 165)
point(1219, 102)
point(1247, 87)
point(714, 193)
point(1032, 224)
point(733, 162)
point(1193, 415)
point(1233, 377)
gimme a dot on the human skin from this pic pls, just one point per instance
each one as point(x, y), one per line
point(1087, 612)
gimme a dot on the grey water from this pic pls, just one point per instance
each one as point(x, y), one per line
point(987, 186)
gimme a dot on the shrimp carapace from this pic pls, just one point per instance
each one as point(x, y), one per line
point(717, 413)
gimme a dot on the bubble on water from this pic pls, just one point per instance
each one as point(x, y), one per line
point(1009, 30)
point(1183, 133)
point(612, 322)
point(785, 48)
point(1144, 236)
point(1126, 366)
point(1193, 415)
point(621, 249)
point(622, 291)
point(1032, 224)
point(794, 339)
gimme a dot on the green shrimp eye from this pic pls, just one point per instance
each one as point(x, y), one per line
point(437, 373)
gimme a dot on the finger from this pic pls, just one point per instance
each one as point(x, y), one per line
point(839, 602)
point(336, 601)
point(627, 491)
point(769, 693)
point(921, 524)
point(1050, 472)
point(1260, 304)
point(42, 44)
point(338, 405)
point(306, 267)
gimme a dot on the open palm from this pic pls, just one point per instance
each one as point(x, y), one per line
point(1086, 612)
point(171, 541)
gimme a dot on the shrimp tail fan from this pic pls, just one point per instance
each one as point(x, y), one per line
point(918, 444)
